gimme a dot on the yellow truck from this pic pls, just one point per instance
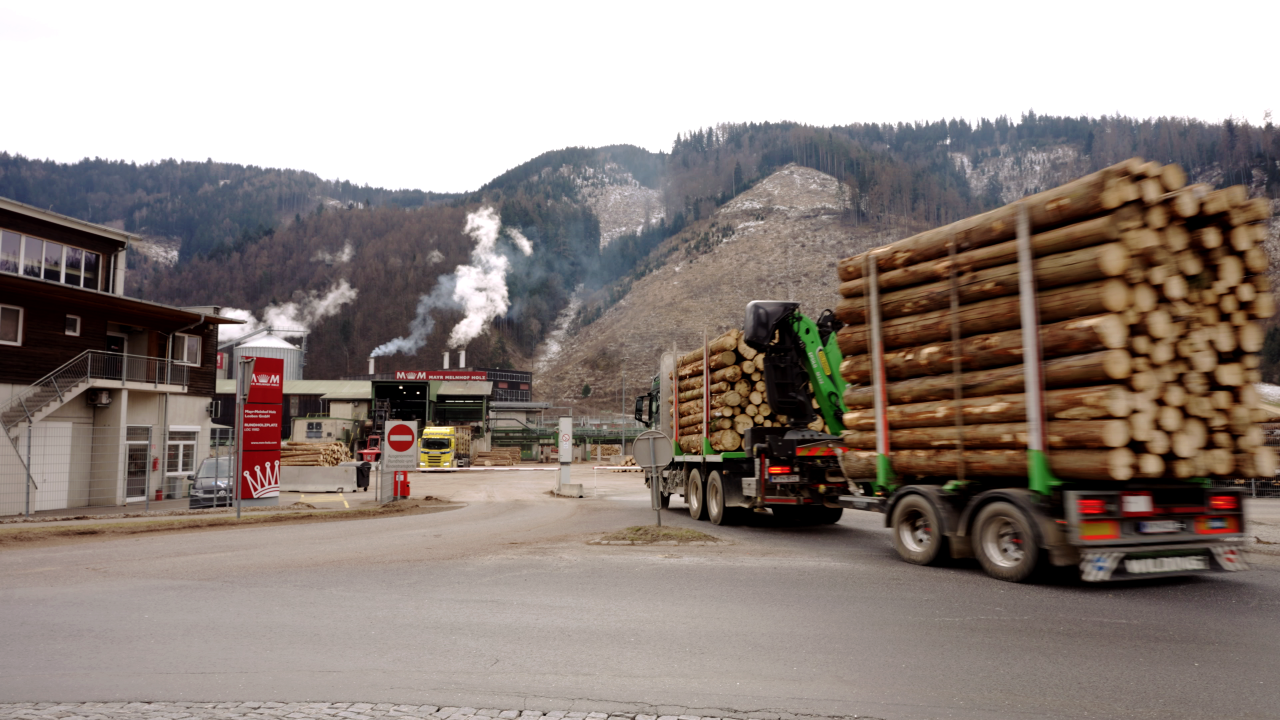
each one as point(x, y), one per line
point(438, 448)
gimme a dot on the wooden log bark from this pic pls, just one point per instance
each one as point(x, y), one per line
point(991, 316)
point(717, 361)
point(715, 389)
point(733, 373)
point(1071, 337)
point(1068, 268)
point(1081, 434)
point(726, 342)
point(1093, 403)
point(858, 464)
point(728, 399)
point(1072, 237)
point(1113, 464)
point(1097, 368)
point(1088, 196)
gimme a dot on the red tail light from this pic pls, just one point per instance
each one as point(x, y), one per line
point(1224, 502)
point(779, 469)
point(1091, 506)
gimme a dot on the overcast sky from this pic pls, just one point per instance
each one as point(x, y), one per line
point(444, 96)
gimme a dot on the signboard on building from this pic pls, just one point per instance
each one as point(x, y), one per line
point(400, 451)
point(424, 375)
point(260, 427)
point(266, 383)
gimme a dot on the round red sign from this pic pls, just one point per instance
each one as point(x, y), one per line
point(400, 438)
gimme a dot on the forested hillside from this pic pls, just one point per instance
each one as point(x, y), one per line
point(253, 237)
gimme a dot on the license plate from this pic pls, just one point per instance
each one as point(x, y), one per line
point(1161, 526)
point(1165, 564)
point(784, 478)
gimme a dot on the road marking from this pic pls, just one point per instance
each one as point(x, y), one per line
point(344, 501)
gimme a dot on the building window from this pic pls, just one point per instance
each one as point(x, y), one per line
point(51, 261)
point(73, 325)
point(10, 325)
point(182, 451)
point(186, 349)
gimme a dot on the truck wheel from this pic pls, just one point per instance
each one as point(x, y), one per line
point(1005, 545)
point(717, 513)
point(827, 515)
point(693, 495)
point(917, 535)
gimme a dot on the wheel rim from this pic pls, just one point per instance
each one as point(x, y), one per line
point(695, 500)
point(915, 531)
point(1002, 542)
point(714, 501)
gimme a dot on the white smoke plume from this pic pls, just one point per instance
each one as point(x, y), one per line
point(435, 256)
point(338, 258)
point(300, 314)
point(478, 289)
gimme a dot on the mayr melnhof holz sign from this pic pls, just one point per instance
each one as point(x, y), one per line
point(260, 472)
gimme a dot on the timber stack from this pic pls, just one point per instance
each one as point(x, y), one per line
point(1149, 291)
point(736, 392)
point(313, 454)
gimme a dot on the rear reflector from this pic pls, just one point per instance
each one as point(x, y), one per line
point(1100, 529)
point(1209, 525)
point(1224, 502)
point(1091, 506)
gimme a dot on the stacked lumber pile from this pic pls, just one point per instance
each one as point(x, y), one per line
point(462, 440)
point(313, 454)
point(601, 451)
point(497, 457)
point(627, 463)
point(1148, 293)
point(736, 391)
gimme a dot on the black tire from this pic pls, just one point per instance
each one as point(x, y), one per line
point(1004, 542)
point(827, 515)
point(717, 512)
point(917, 534)
point(694, 495)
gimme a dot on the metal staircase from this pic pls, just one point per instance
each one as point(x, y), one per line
point(91, 368)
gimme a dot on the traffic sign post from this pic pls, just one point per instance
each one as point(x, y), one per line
point(400, 454)
point(563, 486)
point(652, 451)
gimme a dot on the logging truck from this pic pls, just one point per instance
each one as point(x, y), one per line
point(1057, 382)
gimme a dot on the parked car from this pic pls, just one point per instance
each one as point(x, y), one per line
point(211, 485)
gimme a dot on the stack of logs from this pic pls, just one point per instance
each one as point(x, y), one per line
point(313, 454)
point(497, 457)
point(737, 392)
point(1148, 290)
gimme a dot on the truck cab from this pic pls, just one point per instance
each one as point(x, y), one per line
point(437, 448)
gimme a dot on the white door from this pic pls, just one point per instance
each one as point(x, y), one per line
point(50, 465)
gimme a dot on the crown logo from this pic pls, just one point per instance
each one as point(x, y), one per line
point(264, 484)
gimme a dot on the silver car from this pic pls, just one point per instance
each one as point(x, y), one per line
point(211, 485)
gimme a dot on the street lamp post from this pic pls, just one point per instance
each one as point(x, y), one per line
point(624, 405)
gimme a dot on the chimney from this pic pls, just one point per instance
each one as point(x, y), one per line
point(446, 359)
point(462, 359)
point(371, 363)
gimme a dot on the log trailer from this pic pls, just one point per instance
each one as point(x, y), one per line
point(1073, 477)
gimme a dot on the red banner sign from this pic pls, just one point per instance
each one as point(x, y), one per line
point(260, 474)
point(266, 382)
point(421, 375)
point(262, 427)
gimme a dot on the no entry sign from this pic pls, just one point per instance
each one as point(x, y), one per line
point(402, 446)
point(401, 437)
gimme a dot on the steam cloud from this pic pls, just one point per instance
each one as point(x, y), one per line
point(344, 256)
point(297, 315)
point(478, 289)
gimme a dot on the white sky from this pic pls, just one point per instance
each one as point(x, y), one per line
point(445, 96)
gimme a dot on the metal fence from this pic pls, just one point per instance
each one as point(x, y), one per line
point(65, 465)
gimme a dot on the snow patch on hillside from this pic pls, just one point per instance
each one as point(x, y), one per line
point(1022, 173)
point(617, 199)
point(159, 250)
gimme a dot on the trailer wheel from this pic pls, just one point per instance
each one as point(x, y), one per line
point(693, 495)
point(1005, 545)
point(717, 512)
point(917, 535)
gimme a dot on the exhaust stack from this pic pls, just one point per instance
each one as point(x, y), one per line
point(446, 359)
point(462, 359)
point(371, 364)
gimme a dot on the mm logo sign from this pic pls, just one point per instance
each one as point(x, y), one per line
point(266, 382)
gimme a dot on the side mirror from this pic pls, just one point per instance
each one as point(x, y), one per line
point(642, 410)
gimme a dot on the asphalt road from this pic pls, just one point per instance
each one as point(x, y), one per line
point(503, 604)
